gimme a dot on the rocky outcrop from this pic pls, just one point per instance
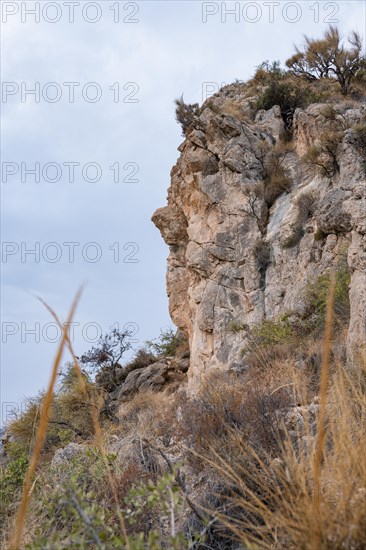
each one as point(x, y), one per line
point(229, 261)
point(165, 375)
point(154, 377)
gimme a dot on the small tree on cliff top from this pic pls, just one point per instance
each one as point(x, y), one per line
point(328, 57)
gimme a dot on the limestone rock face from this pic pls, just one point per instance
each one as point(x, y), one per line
point(229, 263)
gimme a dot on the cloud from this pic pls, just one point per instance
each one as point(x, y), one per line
point(168, 52)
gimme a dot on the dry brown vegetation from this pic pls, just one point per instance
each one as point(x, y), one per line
point(245, 458)
point(271, 457)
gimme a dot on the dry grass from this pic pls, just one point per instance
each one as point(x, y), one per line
point(263, 467)
point(235, 109)
point(276, 177)
point(313, 495)
point(95, 402)
point(45, 414)
point(40, 436)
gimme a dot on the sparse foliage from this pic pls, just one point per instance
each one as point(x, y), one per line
point(288, 95)
point(329, 58)
point(108, 352)
point(323, 154)
point(186, 114)
point(276, 178)
point(166, 345)
point(255, 206)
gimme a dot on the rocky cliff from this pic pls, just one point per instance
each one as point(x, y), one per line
point(254, 216)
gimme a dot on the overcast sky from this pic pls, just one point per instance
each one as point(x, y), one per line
point(112, 122)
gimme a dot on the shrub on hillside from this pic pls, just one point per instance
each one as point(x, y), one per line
point(11, 482)
point(186, 114)
point(317, 291)
point(167, 344)
point(360, 139)
point(108, 352)
point(324, 153)
point(70, 417)
point(208, 418)
point(276, 178)
point(288, 95)
point(329, 58)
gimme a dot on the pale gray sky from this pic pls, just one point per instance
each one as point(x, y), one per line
point(149, 52)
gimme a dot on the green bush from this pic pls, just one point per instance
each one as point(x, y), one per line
point(166, 345)
point(316, 295)
point(11, 481)
point(79, 512)
point(287, 95)
point(272, 332)
point(289, 329)
point(70, 418)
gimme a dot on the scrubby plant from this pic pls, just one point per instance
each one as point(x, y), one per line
point(142, 358)
point(108, 352)
point(293, 329)
point(276, 181)
point(276, 178)
point(186, 114)
point(75, 509)
point(166, 345)
point(255, 206)
point(272, 332)
point(236, 326)
point(323, 154)
point(329, 58)
point(11, 481)
point(359, 131)
point(316, 295)
point(70, 416)
point(287, 95)
point(267, 71)
point(208, 418)
point(293, 501)
point(305, 209)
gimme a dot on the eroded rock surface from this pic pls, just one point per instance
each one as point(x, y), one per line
point(224, 267)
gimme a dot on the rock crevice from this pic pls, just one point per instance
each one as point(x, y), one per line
point(223, 267)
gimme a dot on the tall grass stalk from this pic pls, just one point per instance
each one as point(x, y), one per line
point(46, 410)
point(92, 399)
point(324, 383)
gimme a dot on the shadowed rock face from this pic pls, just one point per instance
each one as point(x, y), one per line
point(223, 265)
